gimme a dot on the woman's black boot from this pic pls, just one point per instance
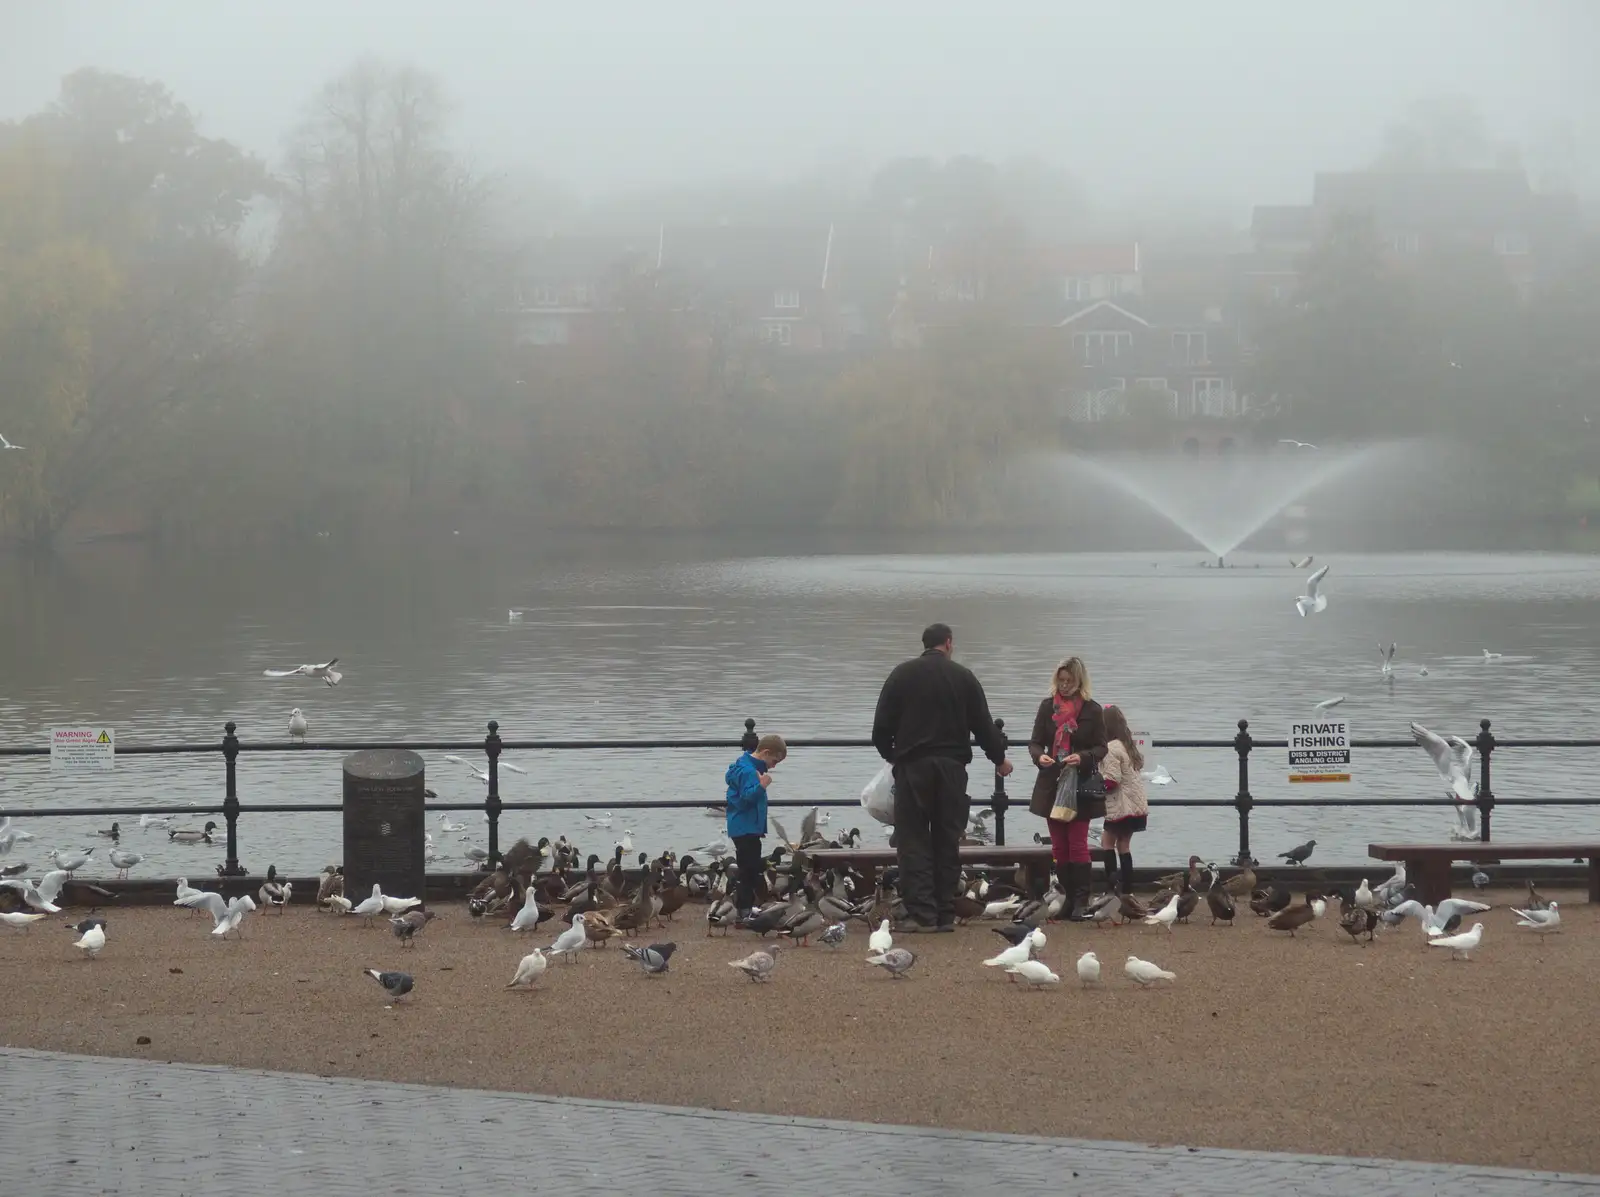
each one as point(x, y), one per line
point(1127, 872)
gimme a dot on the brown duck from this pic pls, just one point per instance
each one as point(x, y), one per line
point(1241, 883)
point(1355, 922)
point(1172, 880)
point(1220, 902)
point(1292, 918)
point(636, 915)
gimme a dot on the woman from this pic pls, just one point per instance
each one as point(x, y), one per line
point(1069, 730)
point(1126, 805)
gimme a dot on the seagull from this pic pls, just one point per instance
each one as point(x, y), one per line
point(69, 864)
point(513, 616)
point(602, 820)
point(1540, 922)
point(1089, 969)
point(5, 444)
point(92, 941)
point(1035, 972)
point(200, 899)
point(570, 940)
point(1285, 440)
point(1158, 776)
point(880, 941)
point(297, 725)
point(1164, 917)
point(236, 911)
point(1387, 669)
point(1489, 656)
point(1463, 944)
point(23, 919)
point(445, 825)
point(124, 861)
point(1364, 899)
point(162, 821)
point(530, 969)
point(8, 831)
point(1312, 601)
point(1303, 563)
point(1327, 704)
point(652, 959)
point(1452, 756)
point(397, 985)
point(758, 965)
point(1145, 973)
point(527, 918)
point(896, 961)
point(325, 671)
point(481, 774)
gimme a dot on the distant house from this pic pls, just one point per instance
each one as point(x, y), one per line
point(567, 286)
point(772, 284)
point(1089, 272)
point(1186, 361)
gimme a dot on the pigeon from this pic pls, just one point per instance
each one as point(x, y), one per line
point(1145, 973)
point(1387, 668)
point(1452, 757)
point(1480, 879)
point(531, 968)
point(1015, 954)
point(758, 965)
point(370, 908)
point(880, 941)
point(1034, 972)
point(1461, 945)
point(1298, 856)
point(407, 925)
point(21, 920)
point(397, 985)
point(1166, 916)
point(652, 959)
point(833, 936)
point(326, 672)
point(571, 940)
point(1540, 922)
point(92, 941)
point(124, 861)
point(297, 725)
point(1311, 600)
point(1089, 969)
point(896, 961)
point(83, 925)
point(394, 906)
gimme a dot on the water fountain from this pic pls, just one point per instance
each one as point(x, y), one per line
point(1222, 501)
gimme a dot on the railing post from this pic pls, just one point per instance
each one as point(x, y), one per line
point(749, 740)
point(491, 804)
point(230, 800)
point(1242, 802)
point(1000, 800)
point(1485, 746)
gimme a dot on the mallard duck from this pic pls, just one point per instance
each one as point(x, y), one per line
point(636, 915)
point(967, 907)
point(1130, 909)
point(810, 923)
point(331, 884)
point(1270, 900)
point(1241, 883)
point(114, 832)
point(1536, 900)
point(1292, 918)
point(1171, 880)
point(591, 877)
point(721, 913)
point(274, 892)
point(188, 835)
point(673, 894)
point(1220, 901)
point(597, 927)
point(1357, 921)
point(1188, 899)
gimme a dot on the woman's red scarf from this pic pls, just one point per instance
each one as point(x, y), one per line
point(1065, 717)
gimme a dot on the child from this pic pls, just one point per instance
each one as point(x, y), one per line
point(1126, 807)
point(748, 779)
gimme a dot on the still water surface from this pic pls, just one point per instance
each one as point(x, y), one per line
point(671, 643)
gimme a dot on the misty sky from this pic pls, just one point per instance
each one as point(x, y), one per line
point(1220, 102)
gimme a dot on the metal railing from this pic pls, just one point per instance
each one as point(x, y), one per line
point(492, 746)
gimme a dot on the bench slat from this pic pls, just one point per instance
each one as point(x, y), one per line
point(1428, 865)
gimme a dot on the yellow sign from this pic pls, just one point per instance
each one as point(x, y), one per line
point(1319, 777)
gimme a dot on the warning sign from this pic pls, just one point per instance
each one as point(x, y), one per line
point(83, 749)
point(1319, 750)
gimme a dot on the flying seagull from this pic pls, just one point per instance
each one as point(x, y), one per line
point(1311, 600)
point(1452, 756)
point(481, 774)
point(1287, 440)
point(5, 444)
point(1388, 658)
point(1327, 704)
point(325, 671)
point(1303, 563)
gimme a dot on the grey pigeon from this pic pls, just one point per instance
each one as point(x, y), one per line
point(897, 961)
point(1480, 879)
point(408, 924)
point(652, 959)
point(833, 936)
point(758, 965)
point(1299, 855)
point(397, 984)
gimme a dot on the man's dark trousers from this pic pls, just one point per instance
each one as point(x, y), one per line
point(930, 816)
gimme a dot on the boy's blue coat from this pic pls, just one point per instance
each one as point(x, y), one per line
point(747, 798)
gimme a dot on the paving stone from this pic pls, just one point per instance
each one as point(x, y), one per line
point(82, 1125)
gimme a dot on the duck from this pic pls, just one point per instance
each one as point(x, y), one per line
point(1269, 900)
point(636, 915)
point(1292, 918)
point(114, 832)
point(1220, 902)
point(673, 894)
point(1188, 899)
point(1130, 909)
point(597, 927)
point(721, 913)
point(1242, 883)
point(1171, 880)
point(188, 835)
point(811, 922)
point(591, 878)
point(273, 892)
point(967, 907)
point(1356, 921)
point(330, 884)
point(1536, 900)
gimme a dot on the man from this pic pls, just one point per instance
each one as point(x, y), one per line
point(928, 713)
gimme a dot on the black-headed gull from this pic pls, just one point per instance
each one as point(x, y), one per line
point(1387, 654)
point(326, 672)
point(1452, 757)
point(1311, 600)
point(481, 774)
point(5, 444)
point(297, 725)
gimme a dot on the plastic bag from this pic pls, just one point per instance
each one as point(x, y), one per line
point(878, 798)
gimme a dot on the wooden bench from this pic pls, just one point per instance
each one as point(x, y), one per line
point(1428, 865)
point(1034, 859)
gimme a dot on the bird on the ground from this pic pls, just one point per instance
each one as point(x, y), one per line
point(1453, 907)
point(653, 959)
point(1364, 898)
point(1387, 654)
point(1292, 918)
point(330, 882)
point(1313, 600)
point(407, 925)
point(124, 861)
point(1480, 879)
point(1013, 933)
point(895, 961)
point(21, 920)
point(1089, 969)
point(1460, 945)
point(570, 941)
point(1035, 972)
point(1242, 884)
point(529, 969)
point(1452, 757)
point(880, 940)
point(1012, 955)
point(398, 905)
point(1220, 903)
point(233, 917)
point(1299, 855)
point(1145, 973)
point(1356, 921)
point(371, 907)
point(529, 916)
point(396, 985)
point(199, 899)
point(1540, 922)
point(1536, 900)
point(1387, 893)
point(297, 725)
point(758, 965)
point(1164, 917)
point(274, 892)
point(324, 672)
point(83, 925)
point(91, 941)
point(833, 936)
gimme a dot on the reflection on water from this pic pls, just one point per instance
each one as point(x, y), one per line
point(617, 644)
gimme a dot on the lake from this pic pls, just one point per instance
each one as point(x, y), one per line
point(667, 639)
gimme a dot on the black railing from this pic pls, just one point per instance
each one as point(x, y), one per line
point(492, 746)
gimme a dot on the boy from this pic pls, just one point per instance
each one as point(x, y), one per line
point(748, 779)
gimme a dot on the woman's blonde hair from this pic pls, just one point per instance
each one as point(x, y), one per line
point(1117, 729)
point(1078, 672)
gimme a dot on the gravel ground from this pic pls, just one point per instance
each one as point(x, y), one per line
point(1265, 1042)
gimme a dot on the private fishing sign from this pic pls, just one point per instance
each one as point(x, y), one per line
point(1319, 750)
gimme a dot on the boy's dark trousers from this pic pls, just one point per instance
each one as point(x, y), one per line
point(747, 854)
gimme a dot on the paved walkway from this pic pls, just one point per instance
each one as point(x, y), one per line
point(83, 1124)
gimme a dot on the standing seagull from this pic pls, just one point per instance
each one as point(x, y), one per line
point(1452, 756)
point(325, 671)
point(297, 725)
point(5, 444)
point(1312, 600)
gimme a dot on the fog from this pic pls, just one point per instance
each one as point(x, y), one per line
point(1217, 106)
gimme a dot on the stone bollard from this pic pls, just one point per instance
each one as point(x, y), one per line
point(385, 822)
